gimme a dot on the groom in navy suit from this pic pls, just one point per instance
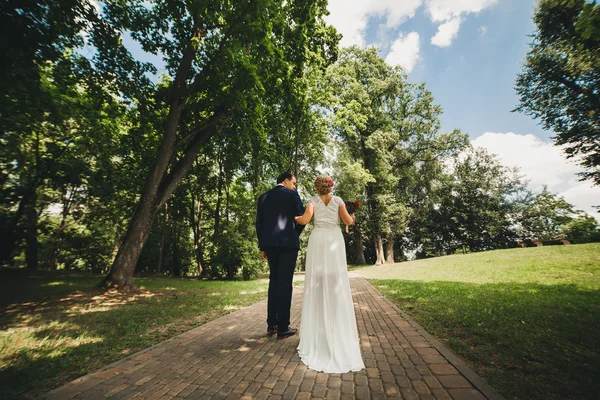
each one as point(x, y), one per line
point(278, 239)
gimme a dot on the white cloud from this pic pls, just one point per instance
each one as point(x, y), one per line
point(350, 17)
point(396, 11)
point(443, 10)
point(405, 51)
point(482, 30)
point(446, 33)
point(96, 5)
point(449, 13)
point(544, 164)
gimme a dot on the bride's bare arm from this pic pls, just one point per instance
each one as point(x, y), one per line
point(305, 218)
point(347, 218)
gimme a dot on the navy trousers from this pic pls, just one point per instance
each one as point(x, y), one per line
point(282, 263)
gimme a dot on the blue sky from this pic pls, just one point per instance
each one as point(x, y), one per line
point(469, 52)
point(473, 78)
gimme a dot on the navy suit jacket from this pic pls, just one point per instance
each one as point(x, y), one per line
point(275, 224)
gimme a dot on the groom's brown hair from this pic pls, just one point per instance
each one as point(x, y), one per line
point(283, 176)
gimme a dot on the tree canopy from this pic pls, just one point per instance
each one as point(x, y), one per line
point(560, 81)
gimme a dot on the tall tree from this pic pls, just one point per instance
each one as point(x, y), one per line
point(582, 229)
point(388, 124)
point(475, 210)
point(543, 216)
point(560, 80)
point(37, 119)
point(223, 59)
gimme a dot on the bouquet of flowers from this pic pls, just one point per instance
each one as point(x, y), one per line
point(352, 206)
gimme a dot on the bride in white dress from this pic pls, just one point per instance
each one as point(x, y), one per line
point(328, 334)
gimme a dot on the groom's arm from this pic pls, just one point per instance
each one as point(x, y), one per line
point(299, 209)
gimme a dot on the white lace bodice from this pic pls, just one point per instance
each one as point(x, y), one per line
point(326, 216)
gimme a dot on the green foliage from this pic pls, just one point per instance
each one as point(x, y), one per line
point(390, 127)
point(470, 207)
point(543, 217)
point(560, 80)
point(582, 229)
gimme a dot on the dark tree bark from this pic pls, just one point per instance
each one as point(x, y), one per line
point(176, 268)
point(58, 235)
point(196, 214)
point(389, 249)
point(163, 234)
point(219, 201)
point(31, 235)
point(10, 235)
point(359, 258)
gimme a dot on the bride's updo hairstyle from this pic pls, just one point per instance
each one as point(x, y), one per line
point(323, 184)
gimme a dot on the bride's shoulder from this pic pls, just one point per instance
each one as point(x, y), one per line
point(338, 200)
point(314, 200)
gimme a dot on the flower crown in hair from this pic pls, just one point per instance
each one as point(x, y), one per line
point(330, 182)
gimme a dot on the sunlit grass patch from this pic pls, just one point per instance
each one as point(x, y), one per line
point(48, 342)
point(524, 319)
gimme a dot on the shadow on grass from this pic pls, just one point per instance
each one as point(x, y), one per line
point(18, 284)
point(54, 341)
point(529, 341)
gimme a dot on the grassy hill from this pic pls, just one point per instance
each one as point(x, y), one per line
point(527, 320)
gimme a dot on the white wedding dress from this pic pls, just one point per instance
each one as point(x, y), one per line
point(328, 334)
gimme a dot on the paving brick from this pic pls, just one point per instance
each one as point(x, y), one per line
point(466, 394)
point(347, 387)
point(319, 390)
point(362, 392)
point(279, 387)
point(361, 380)
point(420, 387)
point(431, 382)
point(307, 385)
point(270, 382)
point(441, 394)
point(333, 394)
point(443, 369)
point(409, 394)
point(334, 382)
point(453, 381)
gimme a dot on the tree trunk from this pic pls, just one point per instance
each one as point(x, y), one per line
point(31, 235)
point(196, 214)
point(117, 242)
point(159, 185)
point(389, 248)
point(379, 249)
point(10, 236)
point(58, 235)
point(359, 258)
point(162, 240)
point(176, 268)
point(219, 201)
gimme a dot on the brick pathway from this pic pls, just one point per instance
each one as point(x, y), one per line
point(232, 358)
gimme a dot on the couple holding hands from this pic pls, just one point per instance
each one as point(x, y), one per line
point(328, 333)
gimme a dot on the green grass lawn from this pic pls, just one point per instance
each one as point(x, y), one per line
point(527, 320)
point(46, 341)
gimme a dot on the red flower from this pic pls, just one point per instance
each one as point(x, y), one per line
point(330, 182)
point(352, 206)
